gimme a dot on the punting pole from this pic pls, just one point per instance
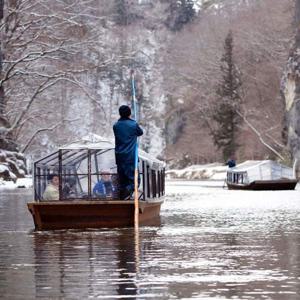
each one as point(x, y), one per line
point(136, 195)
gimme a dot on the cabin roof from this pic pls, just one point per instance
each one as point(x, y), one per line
point(248, 164)
point(90, 141)
point(97, 142)
point(252, 164)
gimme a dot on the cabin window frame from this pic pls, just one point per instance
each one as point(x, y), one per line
point(67, 162)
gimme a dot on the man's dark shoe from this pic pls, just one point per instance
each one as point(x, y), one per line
point(129, 197)
point(125, 194)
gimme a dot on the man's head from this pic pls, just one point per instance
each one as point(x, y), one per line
point(124, 111)
point(71, 181)
point(54, 178)
point(105, 175)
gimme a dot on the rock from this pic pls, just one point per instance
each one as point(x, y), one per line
point(12, 165)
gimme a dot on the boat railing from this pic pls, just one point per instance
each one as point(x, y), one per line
point(237, 177)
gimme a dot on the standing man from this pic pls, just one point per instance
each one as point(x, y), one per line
point(126, 132)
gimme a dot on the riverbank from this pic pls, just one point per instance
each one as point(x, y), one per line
point(213, 171)
point(20, 183)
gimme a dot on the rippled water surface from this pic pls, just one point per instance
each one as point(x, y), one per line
point(211, 243)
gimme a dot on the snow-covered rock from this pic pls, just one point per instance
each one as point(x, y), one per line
point(12, 165)
point(25, 182)
point(214, 171)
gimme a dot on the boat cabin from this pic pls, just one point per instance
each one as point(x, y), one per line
point(81, 165)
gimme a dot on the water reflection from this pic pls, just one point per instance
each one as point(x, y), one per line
point(83, 263)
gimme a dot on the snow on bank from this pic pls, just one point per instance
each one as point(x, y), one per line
point(214, 171)
point(12, 165)
point(5, 172)
point(20, 183)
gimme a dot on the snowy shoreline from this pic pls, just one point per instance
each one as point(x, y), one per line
point(214, 172)
point(20, 183)
point(208, 172)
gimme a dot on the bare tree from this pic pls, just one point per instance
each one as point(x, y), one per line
point(42, 47)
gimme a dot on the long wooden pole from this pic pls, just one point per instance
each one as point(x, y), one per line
point(136, 195)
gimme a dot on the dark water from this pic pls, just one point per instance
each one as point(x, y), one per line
point(211, 244)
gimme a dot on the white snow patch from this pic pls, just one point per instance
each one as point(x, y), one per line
point(214, 171)
point(20, 183)
point(5, 168)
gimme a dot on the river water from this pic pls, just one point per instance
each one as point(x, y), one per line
point(211, 243)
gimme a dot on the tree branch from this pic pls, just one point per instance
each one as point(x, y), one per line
point(259, 135)
point(25, 147)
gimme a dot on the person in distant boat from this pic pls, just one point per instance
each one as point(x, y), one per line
point(52, 190)
point(69, 189)
point(126, 132)
point(231, 163)
point(103, 188)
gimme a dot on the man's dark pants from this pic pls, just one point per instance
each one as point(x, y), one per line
point(126, 179)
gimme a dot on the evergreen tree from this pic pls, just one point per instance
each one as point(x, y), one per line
point(229, 100)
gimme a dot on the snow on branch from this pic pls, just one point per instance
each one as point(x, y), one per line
point(25, 147)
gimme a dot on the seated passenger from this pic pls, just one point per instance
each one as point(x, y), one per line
point(69, 189)
point(103, 187)
point(52, 190)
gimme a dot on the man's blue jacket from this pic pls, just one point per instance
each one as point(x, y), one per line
point(126, 132)
point(103, 188)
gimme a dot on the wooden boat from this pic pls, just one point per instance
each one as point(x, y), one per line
point(260, 175)
point(85, 163)
point(91, 214)
point(261, 185)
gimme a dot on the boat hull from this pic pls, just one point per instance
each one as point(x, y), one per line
point(264, 185)
point(91, 214)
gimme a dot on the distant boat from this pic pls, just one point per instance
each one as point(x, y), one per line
point(83, 163)
point(260, 175)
